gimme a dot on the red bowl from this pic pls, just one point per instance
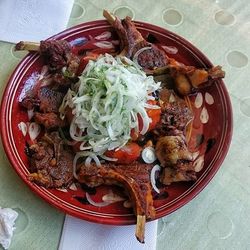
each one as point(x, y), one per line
point(216, 133)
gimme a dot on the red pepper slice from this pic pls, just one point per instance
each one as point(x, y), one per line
point(154, 114)
point(127, 154)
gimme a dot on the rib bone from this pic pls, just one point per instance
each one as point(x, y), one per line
point(30, 46)
point(136, 181)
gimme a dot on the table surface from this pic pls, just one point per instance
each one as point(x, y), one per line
point(219, 217)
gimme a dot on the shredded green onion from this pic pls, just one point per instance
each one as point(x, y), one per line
point(111, 94)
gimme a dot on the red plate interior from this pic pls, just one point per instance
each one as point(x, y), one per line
point(216, 132)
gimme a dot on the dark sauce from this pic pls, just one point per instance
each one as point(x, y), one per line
point(82, 200)
point(156, 95)
point(90, 190)
point(159, 184)
point(161, 196)
point(151, 38)
point(210, 144)
point(27, 150)
point(143, 139)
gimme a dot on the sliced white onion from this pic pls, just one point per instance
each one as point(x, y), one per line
point(153, 178)
point(148, 155)
point(34, 130)
point(150, 106)
point(73, 187)
point(44, 71)
point(105, 121)
point(88, 161)
point(170, 49)
point(62, 190)
point(172, 98)
point(97, 204)
point(115, 42)
point(108, 158)
point(195, 155)
point(111, 197)
point(209, 98)
point(95, 158)
point(136, 55)
point(198, 100)
point(104, 45)
point(105, 35)
point(199, 163)
point(85, 148)
point(77, 156)
point(127, 204)
point(23, 127)
point(30, 113)
point(145, 121)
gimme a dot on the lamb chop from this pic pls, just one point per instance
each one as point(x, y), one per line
point(135, 178)
point(132, 42)
point(56, 54)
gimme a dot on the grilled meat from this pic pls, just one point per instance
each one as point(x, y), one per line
point(56, 54)
point(51, 163)
point(50, 100)
point(155, 61)
point(175, 114)
point(172, 151)
point(132, 41)
point(171, 175)
point(49, 120)
point(43, 98)
point(135, 178)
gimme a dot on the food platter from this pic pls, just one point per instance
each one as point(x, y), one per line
point(213, 134)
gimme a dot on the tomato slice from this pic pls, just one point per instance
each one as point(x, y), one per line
point(154, 114)
point(127, 154)
point(83, 62)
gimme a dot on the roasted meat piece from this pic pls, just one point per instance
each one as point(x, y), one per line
point(56, 54)
point(50, 163)
point(135, 178)
point(49, 120)
point(170, 175)
point(46, 98)
point(132, 42)
point(50, 100)
point(30, 102)
point(172, 151)
point(175, 114)
point(176, 159)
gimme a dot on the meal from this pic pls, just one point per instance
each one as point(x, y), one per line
point(112, 112)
